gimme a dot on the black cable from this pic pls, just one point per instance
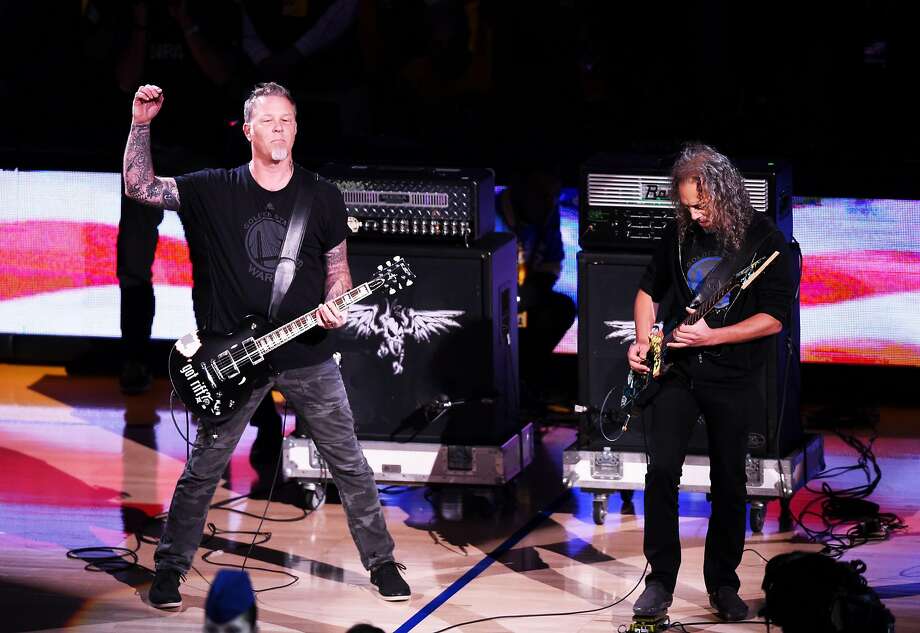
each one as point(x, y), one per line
point(781, 414)
point(547, 615)
point(112, 559)
point(847, 519)
point(681, 625)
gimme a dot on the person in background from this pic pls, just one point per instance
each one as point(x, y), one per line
point(529, 208)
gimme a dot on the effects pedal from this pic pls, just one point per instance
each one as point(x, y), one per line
point(649, 624)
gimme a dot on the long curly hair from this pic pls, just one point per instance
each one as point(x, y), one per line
point(720, 185)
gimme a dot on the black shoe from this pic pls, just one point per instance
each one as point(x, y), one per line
point(164, 592)
point(655, 600)
point(389, 582)
point(728, 605)
point(135, 378)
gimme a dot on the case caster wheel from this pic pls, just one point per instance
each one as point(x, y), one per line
point(314, 496)
point(600, 509)
point(785, 515)
point(758, 514)
point(627, 507)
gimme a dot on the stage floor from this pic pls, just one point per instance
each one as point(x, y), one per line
point(83, 466)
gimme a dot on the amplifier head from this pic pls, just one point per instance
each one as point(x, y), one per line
point(625, 202)
point(415, 204)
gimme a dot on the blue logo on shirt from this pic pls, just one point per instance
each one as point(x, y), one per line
point(697, 273)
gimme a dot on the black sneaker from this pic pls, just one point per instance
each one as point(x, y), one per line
point(390, 584)
point(654, 601)
point(728, 605)
point(164, 592)
point(135, 378)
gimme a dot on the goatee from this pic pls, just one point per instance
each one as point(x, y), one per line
point(279, 153)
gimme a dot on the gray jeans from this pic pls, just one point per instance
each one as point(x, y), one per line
point(318, 396)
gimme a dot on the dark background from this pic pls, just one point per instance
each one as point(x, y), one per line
point(505, 84)
point(828, 86)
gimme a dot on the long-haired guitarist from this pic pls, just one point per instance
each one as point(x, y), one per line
point(716, 364)
point(242, 214)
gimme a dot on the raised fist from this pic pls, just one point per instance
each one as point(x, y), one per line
point(147, 103)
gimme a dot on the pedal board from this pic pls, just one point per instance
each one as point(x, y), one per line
point(649, 624)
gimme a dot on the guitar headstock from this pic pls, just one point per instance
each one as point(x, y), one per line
point(393, 275)
point(747, 275)
point(742, 275)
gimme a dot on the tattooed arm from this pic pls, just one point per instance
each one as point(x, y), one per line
point(338, 281)
point(141, 184)
point(338, 276)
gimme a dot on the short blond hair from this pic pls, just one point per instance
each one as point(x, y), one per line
point(267, 89)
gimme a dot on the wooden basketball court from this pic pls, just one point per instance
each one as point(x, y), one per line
point(83, 466)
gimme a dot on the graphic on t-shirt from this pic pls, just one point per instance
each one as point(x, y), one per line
point(264, 238)
point(697, 273)
point(394, 322)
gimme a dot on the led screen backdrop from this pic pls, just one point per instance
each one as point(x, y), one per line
point(57, 253)
point(860, 285)
point(860, 280)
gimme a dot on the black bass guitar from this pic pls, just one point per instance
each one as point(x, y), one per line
point(214, 374)
point(641, 388)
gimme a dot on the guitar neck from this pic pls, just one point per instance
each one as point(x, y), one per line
point(703, 309)
point(292, 329)
point(748, 274)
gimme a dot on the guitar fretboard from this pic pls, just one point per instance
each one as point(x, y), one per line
point(292, 329)
point(703, 309)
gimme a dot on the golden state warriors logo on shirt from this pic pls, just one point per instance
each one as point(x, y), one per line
point(264, 238)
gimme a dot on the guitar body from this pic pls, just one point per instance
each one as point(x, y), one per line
point(214, 374)
point(641, 388)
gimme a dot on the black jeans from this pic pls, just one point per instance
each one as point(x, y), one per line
point(730, 408)
point(136, 245)
point(317, 394)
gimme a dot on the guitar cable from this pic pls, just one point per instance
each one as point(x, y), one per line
point(112, 559)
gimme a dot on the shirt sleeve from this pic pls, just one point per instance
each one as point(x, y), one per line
point(192, 188)
point(656, 280)
point(333, 226)
point(775, 289)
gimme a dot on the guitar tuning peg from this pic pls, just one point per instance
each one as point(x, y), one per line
point(396, 258)
point(408, 282)
point(379, 266)
point(389, 263)
point(392, 291)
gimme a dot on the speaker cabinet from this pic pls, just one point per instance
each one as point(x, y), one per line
point(436, 362)
point(607, 288)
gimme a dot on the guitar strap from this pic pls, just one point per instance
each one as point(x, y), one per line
point(729, 265)
point(287, 259)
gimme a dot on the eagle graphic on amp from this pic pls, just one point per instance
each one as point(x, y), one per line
point(393, 322)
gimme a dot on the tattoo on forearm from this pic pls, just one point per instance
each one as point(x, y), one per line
point(141, 183)
point(338, 275)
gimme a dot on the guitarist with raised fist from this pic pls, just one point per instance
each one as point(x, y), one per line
point(715, 364)
point(243, 215)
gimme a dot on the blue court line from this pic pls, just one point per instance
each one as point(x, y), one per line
point(482, 565)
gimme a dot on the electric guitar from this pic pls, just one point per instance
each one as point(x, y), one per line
point(214, 374)
point(641, 388)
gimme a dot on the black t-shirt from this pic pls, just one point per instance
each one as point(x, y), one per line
point(700, 253)
point(243, 227)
